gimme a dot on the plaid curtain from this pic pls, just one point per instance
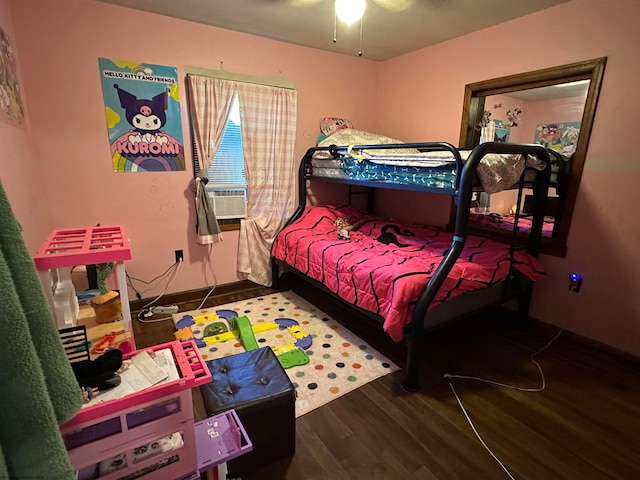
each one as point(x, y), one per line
point(268, 117)
point(210, 103)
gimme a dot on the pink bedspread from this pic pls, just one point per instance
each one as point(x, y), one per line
point(383, 270)
point(495, 220)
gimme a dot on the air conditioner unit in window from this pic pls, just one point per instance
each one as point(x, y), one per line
point(229, 201)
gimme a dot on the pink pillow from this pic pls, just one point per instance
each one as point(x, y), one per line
point(329, 125)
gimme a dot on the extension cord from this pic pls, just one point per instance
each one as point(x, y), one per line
point(169, 309)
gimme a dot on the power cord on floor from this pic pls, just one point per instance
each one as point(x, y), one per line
point(449, 377)
point(131, 278)
point(147, 310)
point(215, 279)
point(207, 296)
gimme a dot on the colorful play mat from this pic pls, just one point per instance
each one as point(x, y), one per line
point(323, 359)
point(223, 325)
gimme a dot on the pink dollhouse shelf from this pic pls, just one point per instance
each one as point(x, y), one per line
point(193, 373)
point(150, 434)
point(83, 246)
point(220, 438)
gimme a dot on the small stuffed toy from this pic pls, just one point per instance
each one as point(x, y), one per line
point(344, 227)
point(330, 125)
point(99, 373)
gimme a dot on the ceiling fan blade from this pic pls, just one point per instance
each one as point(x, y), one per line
point(293, 3)
point(303, 3)
point(394, 5)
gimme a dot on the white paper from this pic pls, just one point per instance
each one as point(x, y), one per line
point(140, 372)
point(147, 372)
point(164, 360)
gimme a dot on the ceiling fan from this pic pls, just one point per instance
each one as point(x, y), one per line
point(351, 11)
point(391, 5)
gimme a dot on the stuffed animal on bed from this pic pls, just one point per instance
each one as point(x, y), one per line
point(330, 125)
point(388, 237)
point(345, 227)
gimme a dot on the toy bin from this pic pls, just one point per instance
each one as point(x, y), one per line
point(255, 385)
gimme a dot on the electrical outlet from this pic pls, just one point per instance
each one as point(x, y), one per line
point(179, 256)
point(575, 282)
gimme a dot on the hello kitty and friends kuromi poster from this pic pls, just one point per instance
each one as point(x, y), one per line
point(142, 106)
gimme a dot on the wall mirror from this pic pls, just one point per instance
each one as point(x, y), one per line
point(554, 107)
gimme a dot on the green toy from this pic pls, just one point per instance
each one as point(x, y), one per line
point(245, 332)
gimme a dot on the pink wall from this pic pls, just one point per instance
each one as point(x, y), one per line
point(20, 169)
point(550, 111)
point(420, 97)
point(414, 97)
point(533, 114)
point(60, 42)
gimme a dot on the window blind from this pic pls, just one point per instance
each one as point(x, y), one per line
point(227, 167)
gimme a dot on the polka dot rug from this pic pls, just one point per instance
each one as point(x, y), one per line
point(339, 361)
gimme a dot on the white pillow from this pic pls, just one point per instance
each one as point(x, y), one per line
point(350, 136)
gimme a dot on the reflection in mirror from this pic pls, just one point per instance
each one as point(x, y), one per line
point(552, 107)
point(549, 116)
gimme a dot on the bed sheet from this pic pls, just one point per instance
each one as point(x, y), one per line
point(496, 172)
point(348, 168)
point(384, 266)
point(505, 222)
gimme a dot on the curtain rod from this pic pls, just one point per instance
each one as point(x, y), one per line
point(239, 77)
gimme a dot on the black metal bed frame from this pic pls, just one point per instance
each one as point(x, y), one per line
point(513, 287)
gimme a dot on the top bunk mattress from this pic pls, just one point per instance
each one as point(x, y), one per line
point(407, 165)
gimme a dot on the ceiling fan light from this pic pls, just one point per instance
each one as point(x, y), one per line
point(350, 11)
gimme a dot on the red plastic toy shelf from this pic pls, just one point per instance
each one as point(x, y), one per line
point(83, 246)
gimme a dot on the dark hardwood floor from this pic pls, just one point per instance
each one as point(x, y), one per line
point(584, 425)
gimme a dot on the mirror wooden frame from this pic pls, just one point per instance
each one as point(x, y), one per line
point(473, 108)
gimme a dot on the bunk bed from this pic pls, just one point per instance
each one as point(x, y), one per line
point(413, 278)
point(521, 221)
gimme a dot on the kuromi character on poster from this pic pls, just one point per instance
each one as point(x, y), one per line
point(145, 116)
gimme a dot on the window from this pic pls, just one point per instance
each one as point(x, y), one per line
point(227, 185)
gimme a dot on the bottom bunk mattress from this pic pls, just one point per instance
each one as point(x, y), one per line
point(383, 266)
point(506, 223)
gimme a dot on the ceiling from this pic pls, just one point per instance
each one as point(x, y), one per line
point(553, 92)
point(390, 27)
